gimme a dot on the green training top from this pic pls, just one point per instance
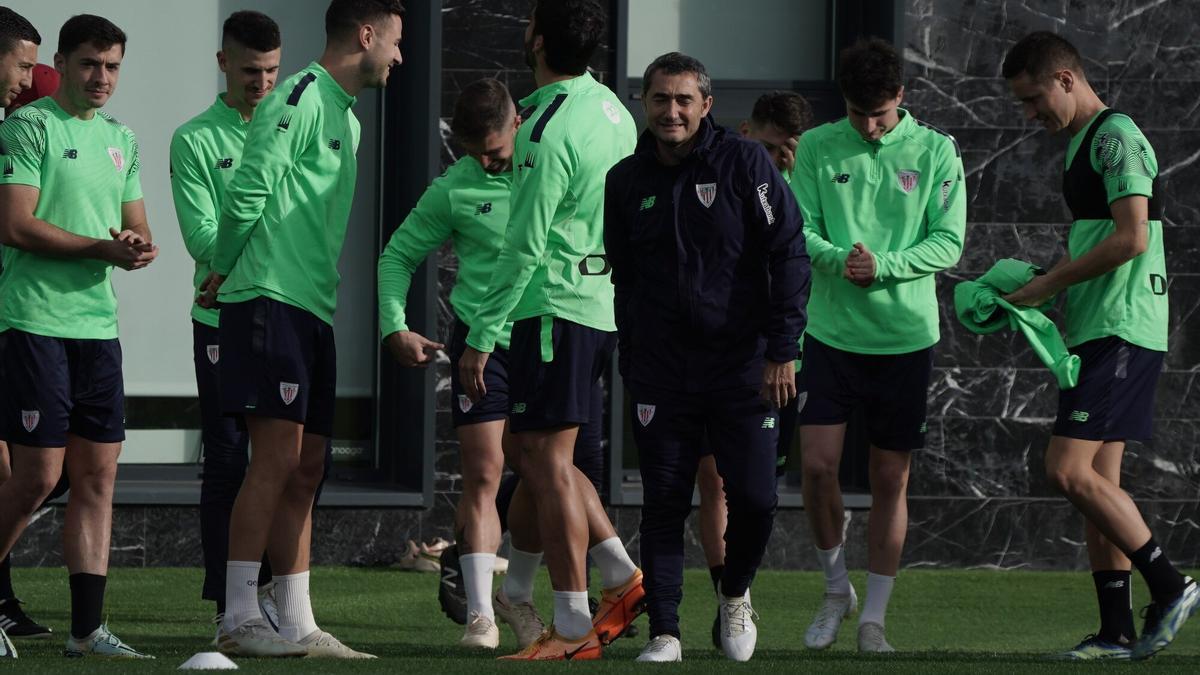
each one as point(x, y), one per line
point(205, 153)
point(85, 170)
point(552, 262)
point(466, 205)
point(903, 196)
point(1130, 302)
point(284, 218)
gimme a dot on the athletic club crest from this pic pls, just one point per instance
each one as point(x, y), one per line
point(464, 403)
point(214, 353)
point(645, 413)
point(288, 391)
point(908, 180)
point(30, 419)
point(118, 158)
point(706, 192)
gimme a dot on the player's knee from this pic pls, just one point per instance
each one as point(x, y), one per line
point(889, 481)
point(815, 467)
point(32, 490)
point(1064, 479)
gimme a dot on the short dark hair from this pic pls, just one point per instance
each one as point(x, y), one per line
point(676, 63)
point(345, 16)
point(571, 30)
point(483, 106)
point(1040, 55)
point(89, 29)
point(15, 28)
point(785, 109)
point(252, 30)
point(869, 72)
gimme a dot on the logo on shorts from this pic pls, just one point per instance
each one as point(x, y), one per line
point(924, 427)
point(214, 353)
point(464, 403)
point(647, 203)
point(706, 192)
point(645, 413)
point(768, 423)
point(288, 391)
point(518, 408)
point(30, 419)
point(908, 180)
point(118, 158)
point(1079, 416)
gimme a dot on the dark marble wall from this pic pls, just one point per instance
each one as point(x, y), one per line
point(979, 494)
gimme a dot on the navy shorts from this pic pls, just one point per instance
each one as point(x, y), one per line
point(278, 361)
point(59, 386)
point(892, 390)
point(494, 405)
point(554, 365)
point(1114, 400)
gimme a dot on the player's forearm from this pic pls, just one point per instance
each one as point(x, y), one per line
point(940, 251)
point(394, 281)
point(823, 255)
point(200, 240)
point(38, 236)
point(231, 239)
point(1113, 251)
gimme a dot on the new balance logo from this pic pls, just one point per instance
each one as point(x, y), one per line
point(483, 208)
point(528, 163)
point(335, 144)
point(284, 123)
point(647, 203)
point(224, 163)
point(841, 178)
point(1155, 554)
point(518, 408)
point(449, 575)
point(1079, 416)
point(768, 423)
point(924, 427)
point(70, 153)
point(1115, 584)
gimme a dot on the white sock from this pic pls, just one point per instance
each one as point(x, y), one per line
point(296, 620)
point(613, 562)
point(522, 569)
point(879, 591)
point(572, 616)
point(477, 580)
point(833, 562)
point(241, 593)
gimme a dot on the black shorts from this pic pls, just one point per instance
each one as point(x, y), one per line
point(278, 361)
point(1114, 400)
point(892, 389)
point(553, 367)
point(55, 386)
point(494, 405)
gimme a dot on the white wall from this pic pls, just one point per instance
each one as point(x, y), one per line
point(168, 76)
point(745, 40)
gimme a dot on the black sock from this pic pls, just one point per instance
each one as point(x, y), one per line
point(6, 589)
point(221, 607)
point(716, 572)
point(87, 603)
point(1114, 595)
point(1164, 581)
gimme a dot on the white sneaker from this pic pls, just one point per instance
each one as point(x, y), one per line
point(322, 645)
point(481, 632)
point(823, 630)
point(256, 638)
point(522, 616)
point(217, 620)
point(267, 604)
point(101, 643)
point(7, 649)
point(871, 639)
point(738, 632)
point(663, 648)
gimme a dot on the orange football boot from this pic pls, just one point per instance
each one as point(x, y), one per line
point(550, 646)
point(618, 608)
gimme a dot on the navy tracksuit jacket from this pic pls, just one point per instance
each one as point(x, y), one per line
point(711, 279)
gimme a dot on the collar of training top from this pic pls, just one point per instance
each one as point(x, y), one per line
point(897, 134)
point(578, 83)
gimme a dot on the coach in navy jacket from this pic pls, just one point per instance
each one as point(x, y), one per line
point(711, 280)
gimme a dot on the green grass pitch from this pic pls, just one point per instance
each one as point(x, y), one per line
point(942, 621)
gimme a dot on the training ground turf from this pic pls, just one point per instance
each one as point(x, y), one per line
point(942, 621)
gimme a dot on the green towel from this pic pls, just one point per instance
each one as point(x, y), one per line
point(976, 303)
